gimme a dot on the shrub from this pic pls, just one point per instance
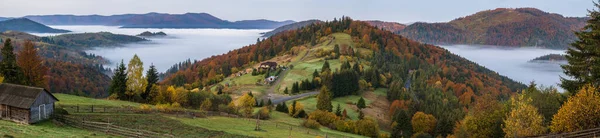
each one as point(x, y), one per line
point(323, 117)
point(145, 108)
point(61, 111)
point(264, 113)
point(312, 124)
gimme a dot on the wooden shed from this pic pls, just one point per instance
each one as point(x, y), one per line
point(25, 104)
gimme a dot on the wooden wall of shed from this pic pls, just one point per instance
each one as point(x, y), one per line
point(37, 113)
point(18, 115)
point(43, 98)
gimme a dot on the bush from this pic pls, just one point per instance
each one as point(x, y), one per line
point(312, 124)
point(264, 113)
point(323, 117)
point(145, 108)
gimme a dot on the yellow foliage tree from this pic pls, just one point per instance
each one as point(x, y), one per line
point(245, 103)
point(580, 112)
point(422, 122)
point(523, 120)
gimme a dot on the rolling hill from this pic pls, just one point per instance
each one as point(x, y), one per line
point(399, 68)
point(503, 26)
point(27, 25)
point(157, 20)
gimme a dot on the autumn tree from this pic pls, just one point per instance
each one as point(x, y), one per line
point(8, 66)
point(584, 56)
point(324, 100)
point(206, 104)
point(118, 85)
point(580, 112)
point(485, 119)
point(136, 82)
point(31, 65)
point(151, 80)
point(524, 119)
point(246, 104)
point(423, 123)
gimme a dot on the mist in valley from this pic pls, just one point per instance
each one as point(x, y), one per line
point(514, 62)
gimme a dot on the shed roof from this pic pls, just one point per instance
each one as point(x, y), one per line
point(19, 95)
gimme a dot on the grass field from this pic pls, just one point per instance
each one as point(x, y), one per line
point(65, 99)
point(45, 129)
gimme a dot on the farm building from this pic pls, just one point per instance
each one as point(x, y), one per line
point(25, 104)
point(268, 65)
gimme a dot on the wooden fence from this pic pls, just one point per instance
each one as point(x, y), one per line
point(130, 109)
point(109, 128)
point(589, 133)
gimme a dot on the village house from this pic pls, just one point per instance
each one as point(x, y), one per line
point(268, 65)
point(25, 104)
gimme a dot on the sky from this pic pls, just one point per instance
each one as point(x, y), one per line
point(403, 11)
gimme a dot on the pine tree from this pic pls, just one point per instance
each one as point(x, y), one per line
point(361, 103)
point(325, 67)
point(31, 65)
point(11, 72)
point(118, 84)
point(286, 90)
point(584, 56)
point(356, 68)
point(219, 91)
point(151, 80)
point(338, 110)
point(324, 100)
point(295, 88)
point(269, 102)
point(361, 115)
point(136, 82)
point(315, 74)
point(336, 49)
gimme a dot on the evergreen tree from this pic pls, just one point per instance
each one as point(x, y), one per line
point(325, 67)
point(324, 100)
point(402, 125)
point(219, 91)
point(118, 84)
point(361, 115)
point(269, 102)
point(584, 56)
point(336, 50)
point(346, 65)
point(151, 80)
point(361, 103)
point(356, 68)
point(31, 65)
point(262, 103)
point(295, 88)
point(8, 66)
point(286, 90)
point(338, 110)
point(315, 74)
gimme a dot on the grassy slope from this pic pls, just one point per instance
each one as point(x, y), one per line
point(44, 129)
point(188, 126)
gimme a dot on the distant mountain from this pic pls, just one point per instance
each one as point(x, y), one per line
point(503, 27)
point(193, 20)
point(78, 19)
point(390, 26)
point(91, 40)
point(26, 25)
point(157, 20)
point(151, 34)
point(551, 57)
point(292, 26)
point(3, 18)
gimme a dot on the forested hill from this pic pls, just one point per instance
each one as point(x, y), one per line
point(26, 25)
point(503, 27)
point(404, 59)
point(292, 26)
point(70, 69)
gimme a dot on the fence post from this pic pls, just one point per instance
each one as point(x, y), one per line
point(108, 126)
point(92, 108)
point(77, 108)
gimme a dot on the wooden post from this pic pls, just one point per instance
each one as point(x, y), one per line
point(108, 126)
point(77, 108)
point(257, 123)
point(92, 108)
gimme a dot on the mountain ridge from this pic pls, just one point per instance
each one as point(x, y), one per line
point(157, 20)
point(27, 25)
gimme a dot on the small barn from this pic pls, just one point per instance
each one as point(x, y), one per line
point(25, 104)
point(268, 65)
